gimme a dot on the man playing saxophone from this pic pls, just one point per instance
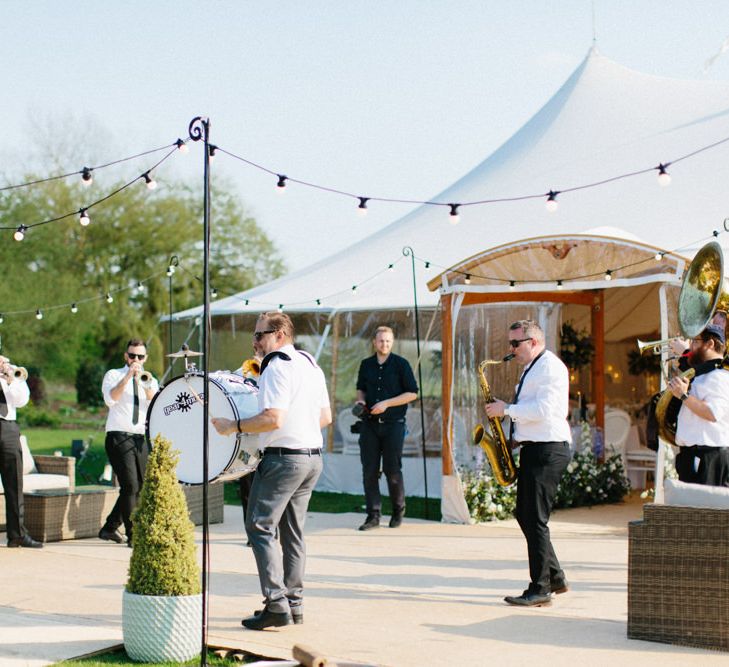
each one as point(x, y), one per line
point(704, 413)
point(539, 421)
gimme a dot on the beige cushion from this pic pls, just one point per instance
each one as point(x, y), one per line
point(695, 495)
point(44, 482)
point(28, 462)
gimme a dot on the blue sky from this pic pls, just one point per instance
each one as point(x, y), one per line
point(381, 98)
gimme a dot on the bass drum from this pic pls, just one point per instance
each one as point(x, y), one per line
point(177, 414)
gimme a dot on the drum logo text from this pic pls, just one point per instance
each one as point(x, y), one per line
point(183, 402)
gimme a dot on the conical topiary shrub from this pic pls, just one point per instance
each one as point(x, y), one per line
point(162, 605)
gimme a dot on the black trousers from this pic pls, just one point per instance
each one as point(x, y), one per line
point(127, 454)
point(712, 469)
point(541, 466)
point(11, 473)
point(382, 442)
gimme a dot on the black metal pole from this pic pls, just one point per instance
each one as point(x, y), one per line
point(409, 252)
point(170, 272)
point(200, 129)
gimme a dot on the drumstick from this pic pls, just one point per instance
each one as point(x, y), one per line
point(194, 393)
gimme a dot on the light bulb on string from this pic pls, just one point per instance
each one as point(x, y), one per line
point(170, 270)
point(19, 234)
point(211, 152)
point(182, 146)
point(2, 319)
point(280, 308)
point(467, 279)
point(608, 275)
point(362, 206)
point(659, 256)
point(281, 185)
point(83, 218)
point(427, 266)
point(109, 298)
point(512, 285)
point(39, 314)
point(664, 178)
point(454, 216)
point(246, 303)
point(86, 177)
point(390, 267)
point(559, 285)
point(551, 204)
point(354, 288)
point(74, 308)
point(318, 302)
point(151, 183)
point(213, 293)
point(139, 288)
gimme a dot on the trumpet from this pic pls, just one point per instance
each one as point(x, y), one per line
point(10, 372)
point(656, 346)
point(145, 379)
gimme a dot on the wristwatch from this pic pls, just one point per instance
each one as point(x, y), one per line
point(683, 397)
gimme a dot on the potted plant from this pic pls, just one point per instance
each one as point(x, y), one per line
point(162, 602)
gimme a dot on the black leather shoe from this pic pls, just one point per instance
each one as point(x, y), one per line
point(373, 521)
point(396, 520)
point(267, 619)
point(527, 599)
point(111, 535)
point(296, 614)
point(559, 586)
point(26, 541)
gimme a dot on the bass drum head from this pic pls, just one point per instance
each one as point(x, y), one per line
point(178, 416)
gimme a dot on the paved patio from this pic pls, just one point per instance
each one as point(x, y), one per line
point(425, 594)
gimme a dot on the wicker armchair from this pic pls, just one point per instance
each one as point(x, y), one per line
point(47, 465)
point(678, 576)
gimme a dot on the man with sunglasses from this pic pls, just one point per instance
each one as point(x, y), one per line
point(294, 407)
point(539, 421)
point(128, 401)
point(701, 428)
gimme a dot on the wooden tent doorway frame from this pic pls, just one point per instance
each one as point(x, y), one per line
point(592, 298)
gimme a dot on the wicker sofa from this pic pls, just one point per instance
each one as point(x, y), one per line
point(678, 575)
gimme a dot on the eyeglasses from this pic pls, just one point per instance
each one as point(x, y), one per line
point(516, 343)
point(131, 355)
point(258, 335)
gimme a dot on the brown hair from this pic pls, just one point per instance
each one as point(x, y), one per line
point(383, 329)
point(136, 342)
point(278, 322)
point(530, 328)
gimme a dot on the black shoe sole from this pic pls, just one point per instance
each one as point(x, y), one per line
point(298, 618)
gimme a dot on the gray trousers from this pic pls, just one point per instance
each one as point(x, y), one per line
point(279, 498)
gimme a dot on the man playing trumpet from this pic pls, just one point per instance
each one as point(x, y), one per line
point(704, 413)
point(127, 392)
point(14, 394)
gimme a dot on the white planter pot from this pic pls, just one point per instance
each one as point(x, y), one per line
point(162, 628)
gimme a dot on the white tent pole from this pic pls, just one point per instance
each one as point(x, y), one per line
point(661, 453)
point(322, 341)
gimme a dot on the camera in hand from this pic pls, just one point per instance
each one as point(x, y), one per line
point(359, 410)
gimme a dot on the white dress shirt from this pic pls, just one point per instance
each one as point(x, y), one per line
point(298, 388)
point(540, 413)
point(713, 389)
point(17, 395)
point(121, 411)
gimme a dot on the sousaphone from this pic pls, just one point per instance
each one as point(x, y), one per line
point(703, 294)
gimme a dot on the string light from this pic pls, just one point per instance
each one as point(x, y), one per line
point(74, 308)
point(182, 146)
point(281, 185)
point(362, 208)
point(84, 218)
point(109, 298)
point(454, 216)
point(608, 274)
point(512, 285)
point(38, 314)
point(552, 204)
point(354, 288)
point(211, 151)
point(246, 302)
point(468, 279)
point(213, 293)
point(664, 178)
point(2, 319)
point(139, 288)
point(170, 269)
point(86, 177)
point(280, 308)
point(20, 233)
point(659, 256)
point(559, 284)
point(318, 302)
point(427, 266)
point(151, 183)
point(390, 267)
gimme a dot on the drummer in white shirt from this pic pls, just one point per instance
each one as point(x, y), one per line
point(539, 417)
point(128, 400)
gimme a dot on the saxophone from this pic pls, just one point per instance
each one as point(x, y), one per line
point(494, 443)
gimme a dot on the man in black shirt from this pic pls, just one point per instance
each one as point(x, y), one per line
point(385, 385)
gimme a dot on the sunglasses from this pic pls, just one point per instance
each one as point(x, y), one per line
point(258, 335)
point(131, 355)
point(515, 343)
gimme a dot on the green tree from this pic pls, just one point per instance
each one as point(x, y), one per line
point(130, 238)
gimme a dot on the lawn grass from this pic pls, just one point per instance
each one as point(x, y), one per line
point(119, 657)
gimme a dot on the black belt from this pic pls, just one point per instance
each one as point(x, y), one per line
point(283, 451)
point(380, 420)
point(527, 443)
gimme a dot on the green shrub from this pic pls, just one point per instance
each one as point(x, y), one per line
point(32, 415)
point(88, 383)
point(163, 561)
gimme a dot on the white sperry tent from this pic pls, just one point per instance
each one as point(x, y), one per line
point(606, 121)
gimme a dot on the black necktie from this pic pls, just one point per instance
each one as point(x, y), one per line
point(135, 412)
point(3, 404)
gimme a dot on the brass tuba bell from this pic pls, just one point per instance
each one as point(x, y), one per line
point(703, 291)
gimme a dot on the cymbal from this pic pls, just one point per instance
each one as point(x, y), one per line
point(184, 353)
